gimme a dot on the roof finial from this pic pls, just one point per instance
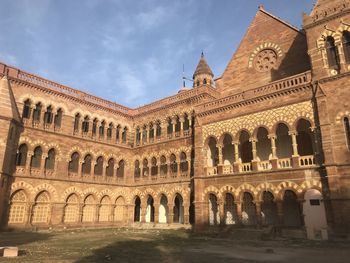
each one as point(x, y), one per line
point(202, 55)
point(261, 7)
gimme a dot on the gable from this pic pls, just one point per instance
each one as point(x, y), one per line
point(268, 42)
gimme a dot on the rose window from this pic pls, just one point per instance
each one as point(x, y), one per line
point(265, 60)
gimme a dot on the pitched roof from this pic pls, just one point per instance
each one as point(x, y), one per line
point(8, 106)
point(202, 67)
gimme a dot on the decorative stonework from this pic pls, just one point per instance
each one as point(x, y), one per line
point(268, 46)
point(288, 114)
point(265, 60)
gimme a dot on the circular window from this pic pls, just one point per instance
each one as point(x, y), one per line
point(265, 60)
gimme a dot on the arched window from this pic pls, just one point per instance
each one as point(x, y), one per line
point(283, 142)
point(74, 163)
point(245, 147)
point(137, 171)
point(41, 208)
point(332, 53)
point(18, 208)
point(158, 130)
point(71, 209)
point(347, 131)
point(37, 113)
point(85, 124)
point(48, 116)
point(170, 127)
point(98, 166)
point(94, 127)
point(346, 45)
point(183, 163)
point(186, 124)
point(86, 166)
point(163, 166)
point(26, 109)
point(151, 132)
point(110, 131)
point(120, 170)
point(110, 167)
point(305, 138)
point(154, 167)
point(22, 155)
point(178, 124)
point(212, 153)
point(124, 134)
point(36, 158)
point(138, 136)
point(263, 145)
point(144, 134)
point(205, 81)
point(58, 118)
point(50, 160)
point(227, 150)
point(76, 122)
point(173, 164)
point(102, 129)
point(117, 133)
point(145, 169)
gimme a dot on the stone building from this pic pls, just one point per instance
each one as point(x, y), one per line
point(266, 143)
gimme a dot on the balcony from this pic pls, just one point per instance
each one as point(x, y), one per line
point(263, 166)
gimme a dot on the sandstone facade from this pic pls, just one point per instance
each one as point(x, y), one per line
point(264, 144)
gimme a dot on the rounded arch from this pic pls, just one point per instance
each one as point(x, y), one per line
point(245, 188)
point(48, 188)
point(275, 126)
point(284, 186)
point(227, 189)
point(266, 187)
point(26, 187)
point(90, 191)
point(225, 134)
point(211, 190)
point(72, 190)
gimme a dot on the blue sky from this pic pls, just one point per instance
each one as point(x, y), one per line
point(130, 52)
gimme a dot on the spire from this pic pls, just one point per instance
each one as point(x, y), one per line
point(203, 68)
point(8, 106)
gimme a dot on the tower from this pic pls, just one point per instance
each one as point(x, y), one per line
point(203, 74)
point(328, 35)
point(10, 126)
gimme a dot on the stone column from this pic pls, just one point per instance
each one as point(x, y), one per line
point(182, 120)
point(104, 167)
point(236, 166)
point(190, 124)
point(178, 172)
point(295, 156)
point(80, 167)
point(220, 164)
point(221, 205)
point(186, 206)
point(156, 205)
point(258, 213)
point(92, 170)
point(280, 214)
point(170, 212)
point(29, 160)
point(274, 160)
point(173, 123)
point(239, 212)
point(42, 164)
point(147, 134)
point(143, 211)
point(254, 152)
point(80, 217)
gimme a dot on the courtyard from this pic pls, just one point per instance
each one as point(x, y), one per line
point(136, 245)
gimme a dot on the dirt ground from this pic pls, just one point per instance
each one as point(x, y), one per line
point(128, 245)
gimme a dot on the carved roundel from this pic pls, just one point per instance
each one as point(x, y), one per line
point(265, 60)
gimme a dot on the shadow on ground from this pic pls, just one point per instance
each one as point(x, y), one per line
point(21, 238)
point(161, 248)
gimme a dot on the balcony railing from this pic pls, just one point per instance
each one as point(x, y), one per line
point(264, 166)
point(307, 161)
point(279, 164)
point(284, 163)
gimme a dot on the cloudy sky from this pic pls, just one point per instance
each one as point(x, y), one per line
point(130, 52)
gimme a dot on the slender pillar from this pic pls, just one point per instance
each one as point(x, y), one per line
point(258, 212)
point(182, 120)
point(295, 156)
point(173, 123)
point(239, 211)
point(29, 159)
point(42, 164)
point(171, 212)
point(273, 161)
